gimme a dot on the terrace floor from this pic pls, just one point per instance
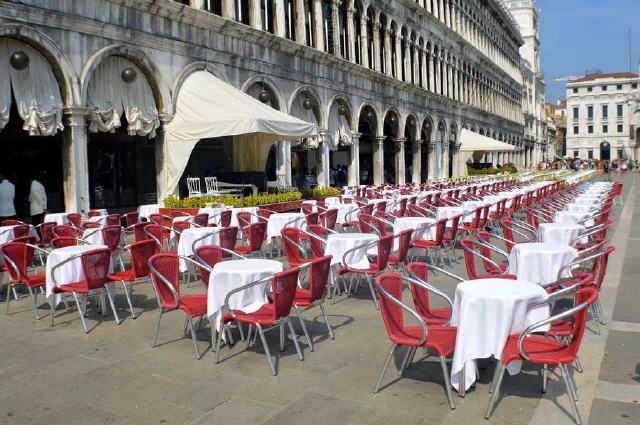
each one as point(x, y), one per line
point(112, 376)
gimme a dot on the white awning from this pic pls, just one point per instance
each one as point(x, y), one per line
point(208, 107)
point(473, 142)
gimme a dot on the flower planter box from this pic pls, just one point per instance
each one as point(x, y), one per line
point(282, 207)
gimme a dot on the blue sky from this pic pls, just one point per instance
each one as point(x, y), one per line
point(578, 35)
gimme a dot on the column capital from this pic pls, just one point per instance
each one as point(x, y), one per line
point(165, 118)
point(76, 116)
point(400, 140)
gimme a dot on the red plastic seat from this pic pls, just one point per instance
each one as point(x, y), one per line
point(165, 276)
point(256, 235)
point(131, 218)
point(209, 255)
point(112, 220)
point(228, 237)
point(274, 314)
point(18, 257)
point(291, 239)
point(46, 233)
point(470, 255)
point(440, 339)
point(419, 273)
point(201, 220)
point(74, 219)
point(140, 253)
point(63, 241)
point(66, 230)
point(404, 244)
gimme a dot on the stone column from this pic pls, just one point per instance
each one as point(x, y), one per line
point(436, 73)
point(378, 160)
point(335, 21)
point(415, 69)
point(376, 46)
point(301, 23)
point(351, 36)
point(400, 166)
point(432, 159)
point(432, 72)
point(228, 11)
point(424, 58)
point(318, 28)
point(456, 160)
point(398, 60)
point(255, 20)
point(322, 168)
point(445, 160)
point(75, 166)
point(416, 161)
point(278, 19)
point(408, 53)
point(283, 160)
point(364, 40)
point(354, 163)
point(162, 172)
point(387, 51)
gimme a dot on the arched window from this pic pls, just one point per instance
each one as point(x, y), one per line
point(327, 26)
point(357, 17)
point(342, 28)
point(394, 65)
point(290, 20)
point(309, 27)
point(213, 6)
point(267, 10)
point(383, 48)
point(370, 36)
point(404, 72)
point(242, 11)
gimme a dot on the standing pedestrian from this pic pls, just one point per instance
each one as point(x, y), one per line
point(37, 201)
point(7, 195)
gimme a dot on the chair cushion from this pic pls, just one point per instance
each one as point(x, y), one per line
point(539, 349)
point(126, 275)
point(35, 280)
point(264, 316)
point(243, 249)
point(436, 316)
point(193, 305)
point(442, 339)
point(79, 287)
point(424, 244)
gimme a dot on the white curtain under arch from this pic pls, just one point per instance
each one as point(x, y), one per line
point(338, 129)
point(109, 96)
point(35, 89)
point(298, 110)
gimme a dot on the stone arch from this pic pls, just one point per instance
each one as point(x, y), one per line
point(190, 69)
point(271, 86)
point(313, 94)
point(142, 61)
point(346, 102)
point(60, 64)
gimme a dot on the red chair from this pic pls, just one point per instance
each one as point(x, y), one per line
point(140, 253)
point(317, 244)
point(65, 230)
point(95, 265)
point(433, 245)
point(418, 277)
point(225, 218)
point(228, 238)
point(305, 299)
point(156, 232)
point(264, 214)
point(74, 219)
point(487, 248)
point(545, 351)
point(63, 241)
point(18, 257)
point(494, 272)
point(274, 314)
point(404, 245)
point(46, 233)
point(291, 243)
point(165, 276)
point(178, 227)
point(94, 213)
point(91, 225)
point(112, 220)
point(370, 224)
point(138, 231)
point(208, 255)
point(244, 219)
point(508, 231)
point(201, 220)
point(384, 246)
point(21, 230)
point(10, 222)
point(329, 218)
point(131, 218)
point(307, 208)
point(440, 339)
point(449, 238)
point(257, 234)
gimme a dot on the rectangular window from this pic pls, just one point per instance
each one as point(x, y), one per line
point(605, 111)
point(590, 112)
point(590, 129)
point(576, 129)
point(619, 87)
point(604, 88)
point(590, 154)
point(634, 85)
point(589, 89)
point(576, 113)
point(620, 154)
point(575, 154)
point(575, 90)
point(620, 109)
point(620, 128)
point(605, 128)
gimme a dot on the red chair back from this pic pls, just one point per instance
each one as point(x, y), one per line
point(312, 218)
point(63, 241)
point(74, 219)
point(330, 218)
point(257, 235)
point(385, 245)
point(486, 252)
point(93, 213)
point(21, 230)
point(469, 258)
point(111, 237)
point(579, 319)
point(112, 220)
point(283, 292)
point(165, 265)
point(293, 254)
point(404, 244)
point(201, 220)
point(141, 252)
point(391, 312)
point(157, 219)
point(317, 247)
point(65, 230)
point(21, 255)
point(95, 264)
point(138, 231)
point(244, 219)
point(211, 255)
point(419, 294)
point(46, 232)
point(381, 206)
point(600, 268)
point(508, 234)
point(369, 224)
point(10, 222)
point(178, 227)
point(307, 209)
point(228, 237)
point(91, 225)
point(131, 218)
point(265, 214)
point(319, 277)
point(155, 231)
point(225, 218)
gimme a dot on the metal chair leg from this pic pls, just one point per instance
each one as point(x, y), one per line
point(194, 338)
point(82, 313)
point(295, 339)
point(219, 343)
point(129, 301)
point(567, 384)
point(34, 301)
point(155, 336)
point(405, 359)
point(373, 291)
point(111, 298)
point(281, 329)
point(274, 371)
point(496, 391)
point(544, 378)
point(304, 327)
point(326, 321)
point(9, 285)
point(384, 368)
point(447, 382)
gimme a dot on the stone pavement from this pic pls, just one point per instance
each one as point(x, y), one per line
point(112, 376)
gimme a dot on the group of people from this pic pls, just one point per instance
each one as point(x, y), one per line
point(37, 200)
point(338, 175)
point(591, 164)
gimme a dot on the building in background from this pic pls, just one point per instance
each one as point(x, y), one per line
point(603, 116)
point(557, 113)
point(527, 15)
point(390, 84)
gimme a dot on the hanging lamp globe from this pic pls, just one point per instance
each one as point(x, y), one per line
point(129, 75)
point(307, 104)
point(19, 60)
point(342, 110)
point(264, 96)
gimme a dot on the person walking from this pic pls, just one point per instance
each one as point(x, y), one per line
point(7, 196)
point(37, 201)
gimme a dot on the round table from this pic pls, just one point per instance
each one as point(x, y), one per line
point(580, 208)
point(558, 233)
point(449, 212)
point(229, 275)
point(210, 236)
point(486, 312)
point(343, 213)
point(70, 272)
point(572, 218)
point(144, 211)
point(539, 262)
point(419, 227)
point(235, 211)
point(58, 218)
point(278, 221)
point(93, 236)
point(7, 235)
point(98, 219)
point(339, 243)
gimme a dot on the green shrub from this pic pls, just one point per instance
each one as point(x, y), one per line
point(320, 192)
point(249, 201)
point(506, 169)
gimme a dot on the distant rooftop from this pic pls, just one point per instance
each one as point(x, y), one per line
point(605, 76)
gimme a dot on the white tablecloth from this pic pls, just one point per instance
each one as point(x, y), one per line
point(572, 218)
point(415, 224)
point(101, 211)
point(229, 275)
point(558, 233)
point(58, 218)
point(449, 212)
point(189, 235)
point(6, 234)
point(581, 208)
point(339, 243)
point(93, 236)
point(70, 272)
point(235, 211)
point(277, 222)
point(144, 211)
point(98, 219)
point(539, 262)
point(343, 213)
point(486, 312)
